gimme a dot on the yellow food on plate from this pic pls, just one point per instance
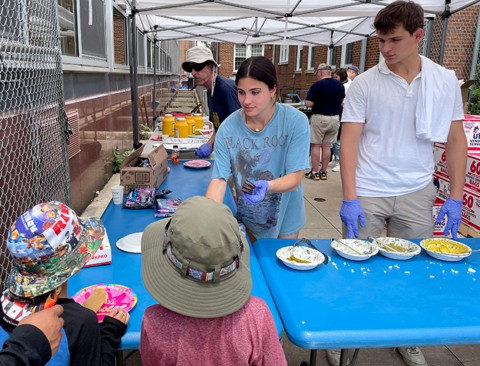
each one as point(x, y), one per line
point(298, 260)
point(390, 247)
point(445, 246)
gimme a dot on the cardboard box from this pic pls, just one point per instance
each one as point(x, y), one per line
point(439, 227)
point(471, 209)
point(132, 176)
point(471, 126)
point(443, 187)
point(103, 254)
point(465, 88)
point(440, 161)
point(472, 177)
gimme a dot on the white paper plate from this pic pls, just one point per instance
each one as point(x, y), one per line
point(131, 243)
point(308, 254)
point(444, 256)
point(413, 248)
point(359, 245)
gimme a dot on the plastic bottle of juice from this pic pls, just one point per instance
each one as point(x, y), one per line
point(198, 122)
point(175, 155)
point(191, 125)
point(181, 128)
point(168, 125)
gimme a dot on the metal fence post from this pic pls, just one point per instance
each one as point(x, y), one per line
point(134, 78)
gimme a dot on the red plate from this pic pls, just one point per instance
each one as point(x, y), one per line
point(197, 164)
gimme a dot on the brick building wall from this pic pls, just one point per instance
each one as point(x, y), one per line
point(184, 46)
point(119, 40)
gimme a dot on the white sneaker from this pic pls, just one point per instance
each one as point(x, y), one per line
point(412, 356)
point(336, 168)
point(332, 163)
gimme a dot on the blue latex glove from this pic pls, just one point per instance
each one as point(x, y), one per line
point(453, 209)
point(203, 151)
point(350, 213)
point(258, 194)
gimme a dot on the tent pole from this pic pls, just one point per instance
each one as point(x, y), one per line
point(363, 53)
point(134, 78)
point(428, 47)
point(154, 80)
point(473, 71)
point(446, 14)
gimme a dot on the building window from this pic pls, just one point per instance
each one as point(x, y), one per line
point(149, 53)
point(332, 56)
point(120, 37)
point(66, 22)
point(299, 58)
point(347, 55)
point(242, 52)
point(311, 58)
point(140, 49)
point(283, 54)
point(92, 23)
point(157, 58)
point(240, 55)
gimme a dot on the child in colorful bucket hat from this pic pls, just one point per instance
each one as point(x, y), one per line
point(199, 272)
point(49, 244)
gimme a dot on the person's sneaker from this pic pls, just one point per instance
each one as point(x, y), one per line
point(412, 356)
point(323, 175)
point(333, 357)
point(312, 175)
point(332, 163)
point(336, 168)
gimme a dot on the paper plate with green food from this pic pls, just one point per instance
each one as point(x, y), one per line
point(300, 257)
point(396, 248)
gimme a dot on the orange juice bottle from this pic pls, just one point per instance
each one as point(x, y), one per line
point(175, 155)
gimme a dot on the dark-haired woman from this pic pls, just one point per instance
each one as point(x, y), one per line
point(265, 143)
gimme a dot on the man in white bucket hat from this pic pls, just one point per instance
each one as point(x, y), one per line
point(222, 97)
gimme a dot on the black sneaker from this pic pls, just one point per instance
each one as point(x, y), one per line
point(312, 175)
point(323, 175)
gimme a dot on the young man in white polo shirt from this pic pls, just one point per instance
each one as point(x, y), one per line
point(393, 114)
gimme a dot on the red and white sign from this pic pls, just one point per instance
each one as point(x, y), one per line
point(439, 227)
point(103, 254)
point(471, 209)
point(443, 187)
point(440, 160)
point(472, 177)
point(471, 125)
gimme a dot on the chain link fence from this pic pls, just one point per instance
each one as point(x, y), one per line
point(33, 125)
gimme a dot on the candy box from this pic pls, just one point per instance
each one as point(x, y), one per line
point(133, 176)
point(103, 254)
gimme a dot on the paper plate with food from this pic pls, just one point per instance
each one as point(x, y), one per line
point(301, 258)
point(396, 248)
point(354, 249)
point(446, 249)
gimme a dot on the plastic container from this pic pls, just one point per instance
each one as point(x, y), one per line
point(168, 124)
point(175, 155)
point(198, 122)
point(181, 128)
point(191, 125)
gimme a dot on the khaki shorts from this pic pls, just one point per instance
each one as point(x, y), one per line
point(324, 129)
point(408, 216)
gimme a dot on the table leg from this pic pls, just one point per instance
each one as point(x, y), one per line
point(344, 357)
point(119, 358)
point(313, 357)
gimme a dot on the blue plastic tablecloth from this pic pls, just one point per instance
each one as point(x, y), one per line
point(126, 267)
point(379, 302)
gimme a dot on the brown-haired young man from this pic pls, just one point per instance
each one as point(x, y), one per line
point(393, 114)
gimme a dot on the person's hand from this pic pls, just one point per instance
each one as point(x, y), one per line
point(50, 323)
point(258, 194)
point(203, 151)
point(120, 314)
point(453, 209)
point(350, 213)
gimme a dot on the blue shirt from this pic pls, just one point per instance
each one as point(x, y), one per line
point(224, 101)
point(327, 96)
point(281, 148)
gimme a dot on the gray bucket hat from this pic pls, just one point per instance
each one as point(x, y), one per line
point(193, 263)
point(198, 55)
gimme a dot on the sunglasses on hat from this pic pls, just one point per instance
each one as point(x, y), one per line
point(196, 67)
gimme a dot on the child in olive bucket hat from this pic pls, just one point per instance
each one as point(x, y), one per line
point(49, 244)
point(199, 272)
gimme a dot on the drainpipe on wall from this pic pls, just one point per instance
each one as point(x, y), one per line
point(134, 78)
point(445, 15)
point(154, 97)
point(363, 53)
point(473, 70)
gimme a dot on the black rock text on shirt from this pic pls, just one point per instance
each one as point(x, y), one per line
point(256, 144)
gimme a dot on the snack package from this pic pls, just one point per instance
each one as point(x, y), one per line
point(161, 193)
point(140, 198)
point(166, 207)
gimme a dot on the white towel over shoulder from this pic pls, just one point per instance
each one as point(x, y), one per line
point(436, 100)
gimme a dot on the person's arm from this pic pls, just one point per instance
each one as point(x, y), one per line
point(287, 183)
point(351, 133)
point(309, 103)
point(212, 140)
point(216, 189)
point(112, 330)
point(456, 155)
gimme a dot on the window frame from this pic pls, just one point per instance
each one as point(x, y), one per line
point(248, 53)
point(344, 60)
point(299, 58)
point(330, 52)
point(311, 52)
point(283, 54)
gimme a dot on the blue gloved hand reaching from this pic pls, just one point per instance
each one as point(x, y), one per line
point(350, 213)
point(203, 151)
point(453, 209)
point(258, 191)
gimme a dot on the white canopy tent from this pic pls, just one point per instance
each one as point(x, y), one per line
point(288, 22)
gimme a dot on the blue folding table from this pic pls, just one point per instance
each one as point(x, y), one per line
point(126, 267)
point(379, 302)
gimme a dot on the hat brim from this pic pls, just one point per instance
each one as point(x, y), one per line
point(185, 295)
point(93, 233)
point(185, 63)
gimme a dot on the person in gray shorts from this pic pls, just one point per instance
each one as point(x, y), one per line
point(325, 97)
